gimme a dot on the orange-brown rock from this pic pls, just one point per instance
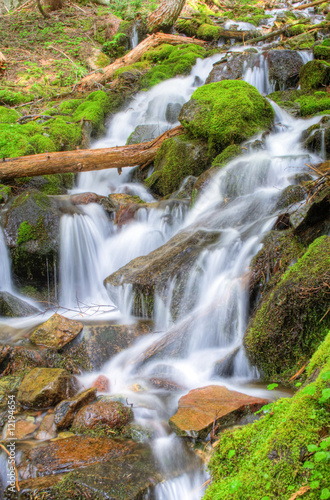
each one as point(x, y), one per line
point(102, 383)
point(200, 408)
point(22, 429)
point(103, 414)
point(47, 429)
point(70, 453)
point(56, 332)
point(66, 410)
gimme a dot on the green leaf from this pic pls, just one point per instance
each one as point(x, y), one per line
point(308, 465)
point(325, 395)
point(231, 453)
point(298, 384)
point(320, 456)
point(265, 498)
point(326, 376)
point(271, 387)
point(312, 447)
point(325, 494)
point(325, 443)
point(314, 485)
point(235, 485)
point(264, 409)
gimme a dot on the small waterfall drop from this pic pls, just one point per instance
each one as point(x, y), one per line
point(258, 75)
point(5, 271)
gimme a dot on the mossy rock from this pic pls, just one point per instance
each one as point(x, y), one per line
point(314, 75)
point(312, 104)
point(9, 386)
point(287, 328)
point(322, 51)
point(176, 159)
point(226, 155)
point(285, 451)
point(11, 306)
point(305, 41)
point(226, 113)
point(31, 225)
point(208, 32)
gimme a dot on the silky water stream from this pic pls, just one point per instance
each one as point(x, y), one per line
point(240, 207)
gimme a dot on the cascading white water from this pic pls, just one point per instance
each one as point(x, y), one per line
point(5, 273)
point(134, 38)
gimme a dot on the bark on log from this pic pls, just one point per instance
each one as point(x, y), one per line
point(164, 17)
point(84, 160)
point(135, 55)
point(306, 5)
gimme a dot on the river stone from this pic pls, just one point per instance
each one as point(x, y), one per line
point(231, 67)
point(284, 67)
point(9, 386)
point(11, 306)
point(151, 274)
point(23, 428)
point(70, 453)
point(318, 140)
point(47, 429)
point(316, 220)
point(45, 387)
point(86, 198)
point(18, 358)
point(290, 195)
point(200, 408)
point(103, 414)
point(66, 410)
point(186, 188)
point(56, 332)
point(128, 471)
point(103, 342)
point(144, 133)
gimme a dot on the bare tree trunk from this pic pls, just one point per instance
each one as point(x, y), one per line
point(135, 55)
point(165, 16)
point(84, 160)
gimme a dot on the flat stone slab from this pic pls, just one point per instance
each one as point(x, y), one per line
point(56, 332)
point(201, 407)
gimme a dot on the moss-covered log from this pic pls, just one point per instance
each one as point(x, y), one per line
point(84, 160)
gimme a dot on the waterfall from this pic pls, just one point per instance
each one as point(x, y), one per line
point(5, 274)
point(258, 75)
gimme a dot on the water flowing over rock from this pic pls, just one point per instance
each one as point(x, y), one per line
point(153, 273)
point(12, 306)
point(201, 408)
point(56, 332)
point(44, 387)
point(231, 67)
point(284, 67)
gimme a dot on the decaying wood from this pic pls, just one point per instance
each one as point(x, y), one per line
point(165, 15)
point(84, 160)
point(306, 5)
point(272, 34)
point(2, 57)
point(135, 55)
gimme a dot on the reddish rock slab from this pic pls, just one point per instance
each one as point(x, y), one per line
point(200, 407)
point(56, 332)
point(102, 384)
point(106, 414)
point(66, 410)
point(69, 454)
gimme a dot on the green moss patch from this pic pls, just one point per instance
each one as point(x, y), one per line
point(226, 156)
point(226, 113)
point(314, 75)
point(286, 450)
point(292, 320)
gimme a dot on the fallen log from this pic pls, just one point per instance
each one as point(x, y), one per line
point(84, 160)
point(135, 55)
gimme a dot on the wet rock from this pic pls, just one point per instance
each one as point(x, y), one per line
point(168, 385)
point(86, 198)
point(152, 273)
point(106, 415)
point(70, 453)
point(284, 68)
point(45, 387)
point(16, 359)
point(201, 407)
point(316, 219)
point(204, 180)
point(290, 195)
point(11, 306)
point(47, 429)
point(225, 367)
point(102, 384)
point(102, 342)
point(31, 226)
point(231, 67)
point(134, 464)
point(172, 111)
point(9, 386)
point(176, 159)
point(23, 428)
point(126, 215)
point(318, 139)
point(144, 133)
point(56, 332)
point(292, 320)
point(118, 200)
point(65, 411)
point(186, 188)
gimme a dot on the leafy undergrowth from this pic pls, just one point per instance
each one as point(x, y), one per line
point(286, 451)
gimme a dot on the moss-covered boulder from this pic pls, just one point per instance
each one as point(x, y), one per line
point(45, 387)
point(56, 332)
point(31, 225)
point(226, 113)
point(322, 50)
point(314, 75)
point(292, 320)
point(153, 273)
point(176, 159)
point(283, 453)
